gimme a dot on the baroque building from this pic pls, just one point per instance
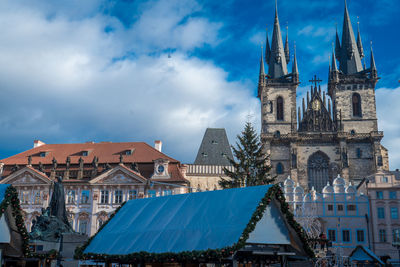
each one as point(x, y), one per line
point(330, 133)
point(97, 178)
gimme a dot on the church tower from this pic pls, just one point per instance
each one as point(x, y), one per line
point(352, 86)
point(277, 89)
point(277, 93)
point(352, 89)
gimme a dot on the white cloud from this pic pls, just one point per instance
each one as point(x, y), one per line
point(388, 112)
point(68, 80)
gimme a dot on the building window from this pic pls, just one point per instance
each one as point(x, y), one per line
point(118, 196)
point(85, 196)
point(83, 226)
point(279, 168)
point(339, 207)
point(151, 193)
point(360, 236)
point(42, 154)
point(384, 179)
point(396, 235)
point(392, 195)
point(104, 197)
point(351, 207)
point(132, 194)
point(356, 105)
point(85, 153)
point(279, 108)
point(381, 213)
point(71, 197)
point(358, 153)
point(38, 199)
point(379, 194)
point(330, 207)
point(394, 213)
point(346, 236)
point(25, 197)
point(332, 235)
point(382, 235)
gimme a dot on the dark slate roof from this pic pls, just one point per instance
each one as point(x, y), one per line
point(214, 149)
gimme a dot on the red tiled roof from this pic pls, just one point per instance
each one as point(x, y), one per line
point(106, 152)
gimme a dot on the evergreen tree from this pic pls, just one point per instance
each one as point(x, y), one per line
point(251, 168)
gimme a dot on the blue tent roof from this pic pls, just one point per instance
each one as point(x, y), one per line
point(187, 222)
point(362, 253)
point(3, 188)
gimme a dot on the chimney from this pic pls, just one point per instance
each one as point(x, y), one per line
point(38, 143)
point(158, 145)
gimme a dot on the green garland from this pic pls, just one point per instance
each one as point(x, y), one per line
point(11, 198)
point(204, 255)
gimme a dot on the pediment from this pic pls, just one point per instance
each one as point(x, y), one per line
point(24, 178)
point(118, 177)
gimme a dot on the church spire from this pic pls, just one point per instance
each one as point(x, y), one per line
point(277, 66)
point(262, 71)
point(261, 78)
point(333, 65)
point(337, 44)
point(359, 42)
point(374, 72)
point(287, 52)
point(294, 65)
point(267, 47)
point(349, 56)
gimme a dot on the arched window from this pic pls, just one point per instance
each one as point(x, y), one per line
point(279, 108)
point(279, 168)
point(356, 100)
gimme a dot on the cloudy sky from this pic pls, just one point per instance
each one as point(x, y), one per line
point(115, 70)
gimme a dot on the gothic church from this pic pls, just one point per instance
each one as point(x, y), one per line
point(332, 133)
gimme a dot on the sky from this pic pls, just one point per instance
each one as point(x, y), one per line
point(73, 71)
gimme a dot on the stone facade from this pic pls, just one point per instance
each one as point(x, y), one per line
point(205, 177)
point(333, 132)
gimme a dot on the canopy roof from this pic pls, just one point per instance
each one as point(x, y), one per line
point(361, 253)
point(203, 221)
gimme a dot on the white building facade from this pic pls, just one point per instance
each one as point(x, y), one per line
point(342, 213)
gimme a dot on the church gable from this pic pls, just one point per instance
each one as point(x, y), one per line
point(317, 116)
point(119, 175)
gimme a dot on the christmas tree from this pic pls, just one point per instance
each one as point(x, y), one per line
point(251, 167)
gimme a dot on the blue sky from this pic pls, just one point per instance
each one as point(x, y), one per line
point(96, 70)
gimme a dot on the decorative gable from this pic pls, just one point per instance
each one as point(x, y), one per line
point(119, 175)
point(26, 176)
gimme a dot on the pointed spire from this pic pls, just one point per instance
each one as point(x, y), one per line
point(374, 72)
point(267, 47)
point(295, 69)
point(349, 57)
point(299, 115)
point(337, 44)
point(359, 42)
point(262, 71)
point(287, 52)
point(334, 66)
point(304, 107)
point(277, 66)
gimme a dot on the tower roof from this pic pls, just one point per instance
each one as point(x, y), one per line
point(214, 149)
point(277, 66)
point(349, 56)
